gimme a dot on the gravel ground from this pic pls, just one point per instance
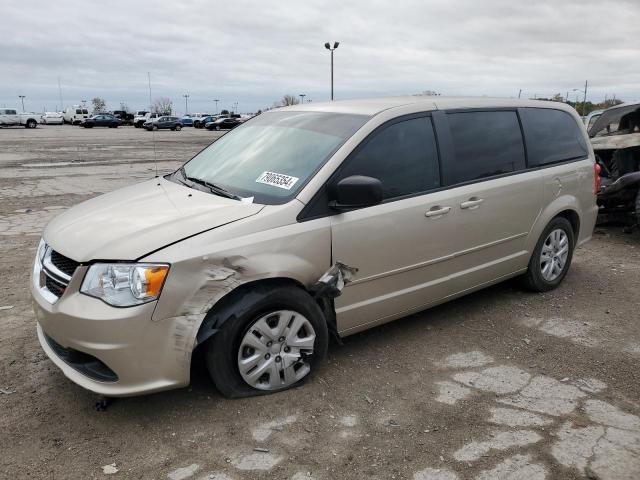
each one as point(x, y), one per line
point(501, 384)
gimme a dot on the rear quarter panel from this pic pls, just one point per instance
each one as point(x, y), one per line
point(567, 186)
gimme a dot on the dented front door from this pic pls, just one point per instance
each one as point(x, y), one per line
point(402, 251)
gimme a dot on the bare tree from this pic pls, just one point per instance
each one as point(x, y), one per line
point(427, 93)
point(289, 100)
point(124, 107)
point(162, 105)
point(98, 104)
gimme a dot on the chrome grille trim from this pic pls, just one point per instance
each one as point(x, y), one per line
point(51, 269)
point(44, 268)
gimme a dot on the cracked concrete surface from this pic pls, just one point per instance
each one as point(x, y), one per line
point(606, 443)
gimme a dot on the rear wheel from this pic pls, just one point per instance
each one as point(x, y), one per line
point(31, 123)
point(178, 127)
point(217, 127)
point(552, 256)
point(271, 339)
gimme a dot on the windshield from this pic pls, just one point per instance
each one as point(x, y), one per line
point(273, 155)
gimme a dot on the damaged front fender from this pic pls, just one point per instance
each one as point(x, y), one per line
point(333, 281)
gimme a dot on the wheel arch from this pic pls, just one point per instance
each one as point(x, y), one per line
point(566, 207)
point(574, 220)
point(230, 304)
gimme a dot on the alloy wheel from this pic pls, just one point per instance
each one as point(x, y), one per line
point(553, 257)
point(273, 352)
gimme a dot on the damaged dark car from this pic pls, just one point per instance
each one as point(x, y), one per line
point(615, 137)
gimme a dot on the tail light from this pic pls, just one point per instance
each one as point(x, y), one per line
point(596, 178)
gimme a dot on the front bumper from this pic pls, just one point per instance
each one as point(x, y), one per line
point(144, 355)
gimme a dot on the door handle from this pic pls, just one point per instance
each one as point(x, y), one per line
point(472, 203)
point(437, 211)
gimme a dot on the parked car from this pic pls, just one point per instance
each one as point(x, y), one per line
point(223, 124)
point(355, 214)
point(11, 118)
point(615, 137)
point(101, 120)
point(199, 119)
point(139, 118)
point(186, 121)
point(75, 114)
point(143, 117)
point(125, 117)
point(200, 123)
point(165, 122)
point(52, 118)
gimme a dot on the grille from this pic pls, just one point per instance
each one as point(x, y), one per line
point(83, 362)
point(55, 287)
point(63, 263)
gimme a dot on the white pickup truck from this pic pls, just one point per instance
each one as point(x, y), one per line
point(142, 117)
point(11, 118)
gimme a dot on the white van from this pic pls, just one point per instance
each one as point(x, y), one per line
point(75, 114)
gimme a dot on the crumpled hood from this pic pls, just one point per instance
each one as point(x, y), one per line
point(131, 222)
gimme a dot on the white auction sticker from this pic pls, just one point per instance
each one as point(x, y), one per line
point(277, 180)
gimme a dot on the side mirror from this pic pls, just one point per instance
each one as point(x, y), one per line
point(356, 191)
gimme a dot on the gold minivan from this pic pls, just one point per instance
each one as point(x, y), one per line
point(306, 221)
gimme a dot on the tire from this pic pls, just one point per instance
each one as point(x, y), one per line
point(243, 313)
point(31, 124)
point(178, 127)
point(535, 279)
point(217, 127)
point(154, 127)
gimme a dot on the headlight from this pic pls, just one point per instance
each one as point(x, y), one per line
point(125, 284)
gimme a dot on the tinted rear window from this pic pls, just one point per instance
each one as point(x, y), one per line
point(552, 136)
point(485, 144)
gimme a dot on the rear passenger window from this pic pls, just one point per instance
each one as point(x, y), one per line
point(403, 156)
point(552, 136)
point(485, 144)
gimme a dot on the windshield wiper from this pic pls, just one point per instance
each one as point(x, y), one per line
point(213, 188)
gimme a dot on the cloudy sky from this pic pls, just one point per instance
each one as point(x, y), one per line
point(253, 52)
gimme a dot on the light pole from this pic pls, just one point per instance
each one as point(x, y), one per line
point(22, 100)
point(216, 100)
point(331, 49)
point(584, 99)
point(186, 103)
point(302, 95)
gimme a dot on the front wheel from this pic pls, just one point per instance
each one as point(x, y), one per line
point(31, 124)
point(178, 127)
point(552, 256)
point(270, 339)
point(217, 127)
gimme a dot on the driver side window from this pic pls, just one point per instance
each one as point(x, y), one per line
point(403, 156)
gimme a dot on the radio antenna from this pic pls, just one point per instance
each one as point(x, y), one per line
point(153, 131)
